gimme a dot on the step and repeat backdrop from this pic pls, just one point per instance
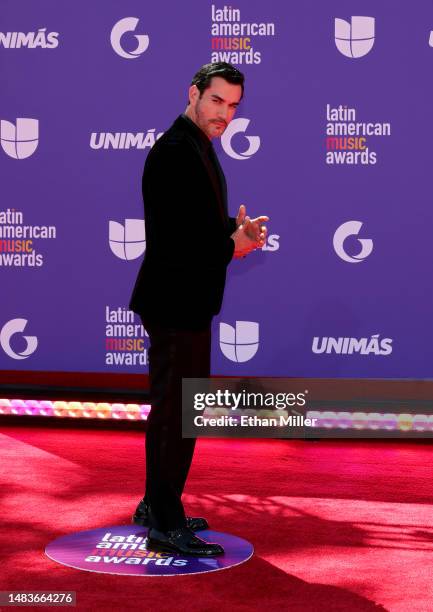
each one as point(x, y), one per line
point(332, 140)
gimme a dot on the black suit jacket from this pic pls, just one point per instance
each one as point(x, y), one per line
point(188, 245)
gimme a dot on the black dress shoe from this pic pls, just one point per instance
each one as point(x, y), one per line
point(181, 541)
point(141, 517)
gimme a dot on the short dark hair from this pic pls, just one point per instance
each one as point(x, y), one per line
point(229, 73)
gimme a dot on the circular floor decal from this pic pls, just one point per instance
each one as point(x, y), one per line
point(122, 550)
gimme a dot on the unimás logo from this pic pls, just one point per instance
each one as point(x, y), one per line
point(9, 329)
point(124, 140)
point(127, 241)
point(21, 140)
point(239, 126)
point(239, 343)
point(348, 346)
point(351, 228)
point(128, 24)
point(355, 38)
point(29, 40)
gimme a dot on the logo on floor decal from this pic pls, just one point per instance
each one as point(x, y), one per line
point(123, 550)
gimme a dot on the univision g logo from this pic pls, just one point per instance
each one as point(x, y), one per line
point(355, 38)
point(9, 329)
point(239, 343)
point(19, 141)
point(128, 24)
point(351, 228)
point(235, 127)
point(129, 241)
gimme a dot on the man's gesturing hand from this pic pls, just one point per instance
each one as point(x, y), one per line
point(250, 233)
point(253, 228)
point(243, 243)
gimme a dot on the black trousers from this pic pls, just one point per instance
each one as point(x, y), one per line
point(174, 354)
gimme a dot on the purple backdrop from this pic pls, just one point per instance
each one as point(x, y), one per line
point(329, 297)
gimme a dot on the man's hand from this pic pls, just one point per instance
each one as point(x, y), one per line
point(241, 215)
point(243, 243)
point(254, 228)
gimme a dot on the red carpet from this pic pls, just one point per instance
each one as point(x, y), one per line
point(336, 525)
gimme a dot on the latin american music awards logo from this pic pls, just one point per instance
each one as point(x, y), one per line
point(234, 40)
point(20, 242)
point(123, 550)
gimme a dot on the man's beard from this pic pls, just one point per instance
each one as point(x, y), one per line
point(206, 124)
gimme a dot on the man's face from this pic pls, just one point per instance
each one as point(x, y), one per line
point(216, 107)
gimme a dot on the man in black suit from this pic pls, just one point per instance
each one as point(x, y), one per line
point(190, 240)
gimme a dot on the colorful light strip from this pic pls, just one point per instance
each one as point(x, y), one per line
point(372, 421)
point(328, 419)
point(87, 410)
